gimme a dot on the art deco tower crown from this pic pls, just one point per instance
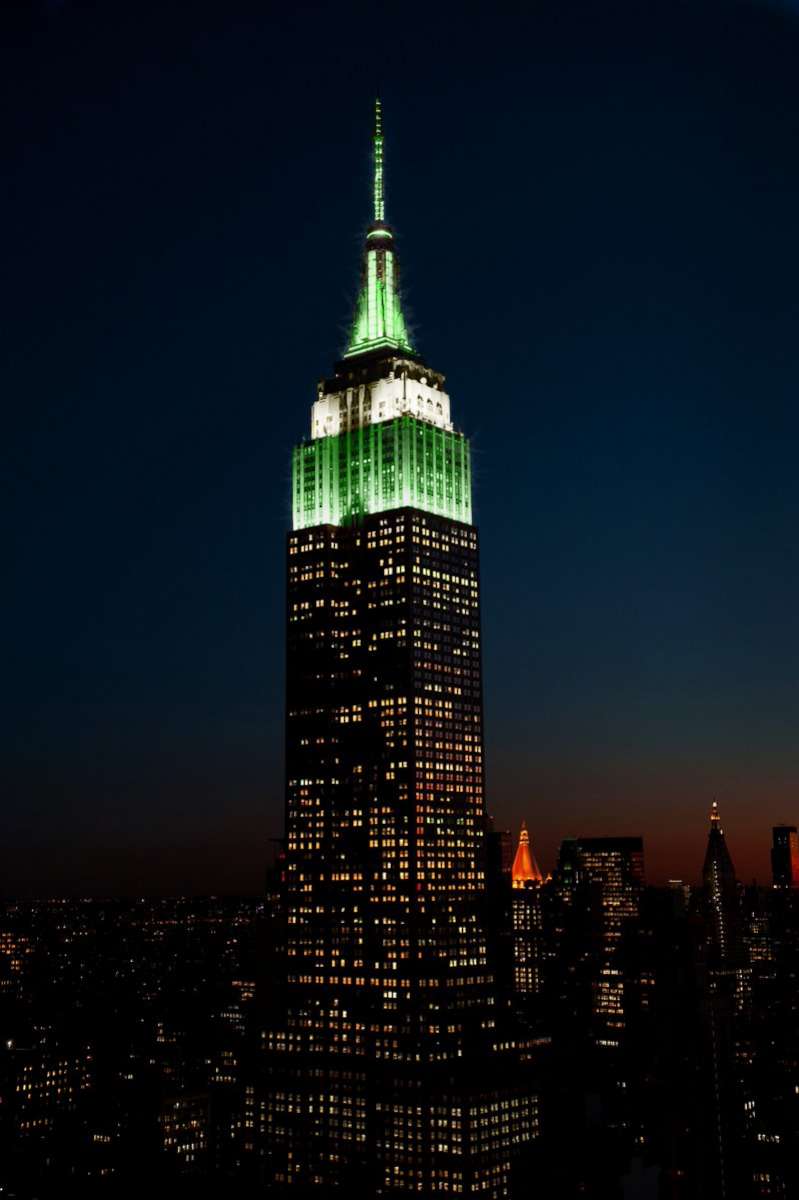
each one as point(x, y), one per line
point(379, 322)
point(381, 433)
point(525, 868)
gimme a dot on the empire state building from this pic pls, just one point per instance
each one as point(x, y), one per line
point(389, 1063)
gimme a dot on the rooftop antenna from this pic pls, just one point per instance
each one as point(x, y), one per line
point(379, 202)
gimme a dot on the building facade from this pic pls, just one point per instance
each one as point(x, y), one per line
point(600, 881)
point(785, 856)
point(388, 1061)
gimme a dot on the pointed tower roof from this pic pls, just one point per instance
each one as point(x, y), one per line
point(379, 321)
point(720, 888)
point(525, 869)
point(718, 861)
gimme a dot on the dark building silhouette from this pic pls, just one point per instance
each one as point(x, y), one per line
point(590, 909)
point(498, 851)
point(725, 998)
point(720, 892)
point(601, 880)
point(785, 856)
point(390, 1064)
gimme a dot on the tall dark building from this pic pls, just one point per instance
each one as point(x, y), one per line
point(785, 856)
point(720, 891)
point(386, 1065)
point(724, 982)
point(615, 865)
point(601, 880)
point(498, 852)
point(591, 990)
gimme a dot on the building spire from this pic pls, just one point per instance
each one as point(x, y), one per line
point(525, 869)
point(379, 322)
point(377, 141)
point(720, 889)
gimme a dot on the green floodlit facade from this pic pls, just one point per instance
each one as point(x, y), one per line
point(402, 463)
point(381, 432)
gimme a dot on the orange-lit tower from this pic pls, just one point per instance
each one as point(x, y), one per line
point(525, 869)
point(526, 919)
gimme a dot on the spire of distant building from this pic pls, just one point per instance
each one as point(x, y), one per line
point(379, 211)
point(718, 876)
point(379, 320)
point(525, 868)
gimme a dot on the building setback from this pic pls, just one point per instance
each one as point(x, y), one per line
point(389, 1063)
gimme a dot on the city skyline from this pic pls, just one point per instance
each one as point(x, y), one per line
point(391, 786)
point(610, 358)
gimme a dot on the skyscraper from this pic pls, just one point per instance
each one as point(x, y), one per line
point(785, 856)
point(386, 1065)
point(602, 879)
point(720, 891)
point(527, 919)
point(613, 867)
point(593, 909)
point(723, 988)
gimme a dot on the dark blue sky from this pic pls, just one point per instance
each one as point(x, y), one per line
point(597, 206)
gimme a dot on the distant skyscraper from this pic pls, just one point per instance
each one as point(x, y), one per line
point(615, 868)
point(599, 882)
point(527, 919)
point(387, 1068)
point(525, 869)
point(720, 889)
point(785, 856)
point(724, 987)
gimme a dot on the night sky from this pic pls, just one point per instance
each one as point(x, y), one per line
point(597, 212)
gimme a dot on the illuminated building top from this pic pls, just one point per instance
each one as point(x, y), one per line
point(382, 437)
point(379, 321)
point(403, 386)
point(525, 869)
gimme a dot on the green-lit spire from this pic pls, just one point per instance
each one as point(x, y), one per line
point(380, 208)
point(378, 313)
